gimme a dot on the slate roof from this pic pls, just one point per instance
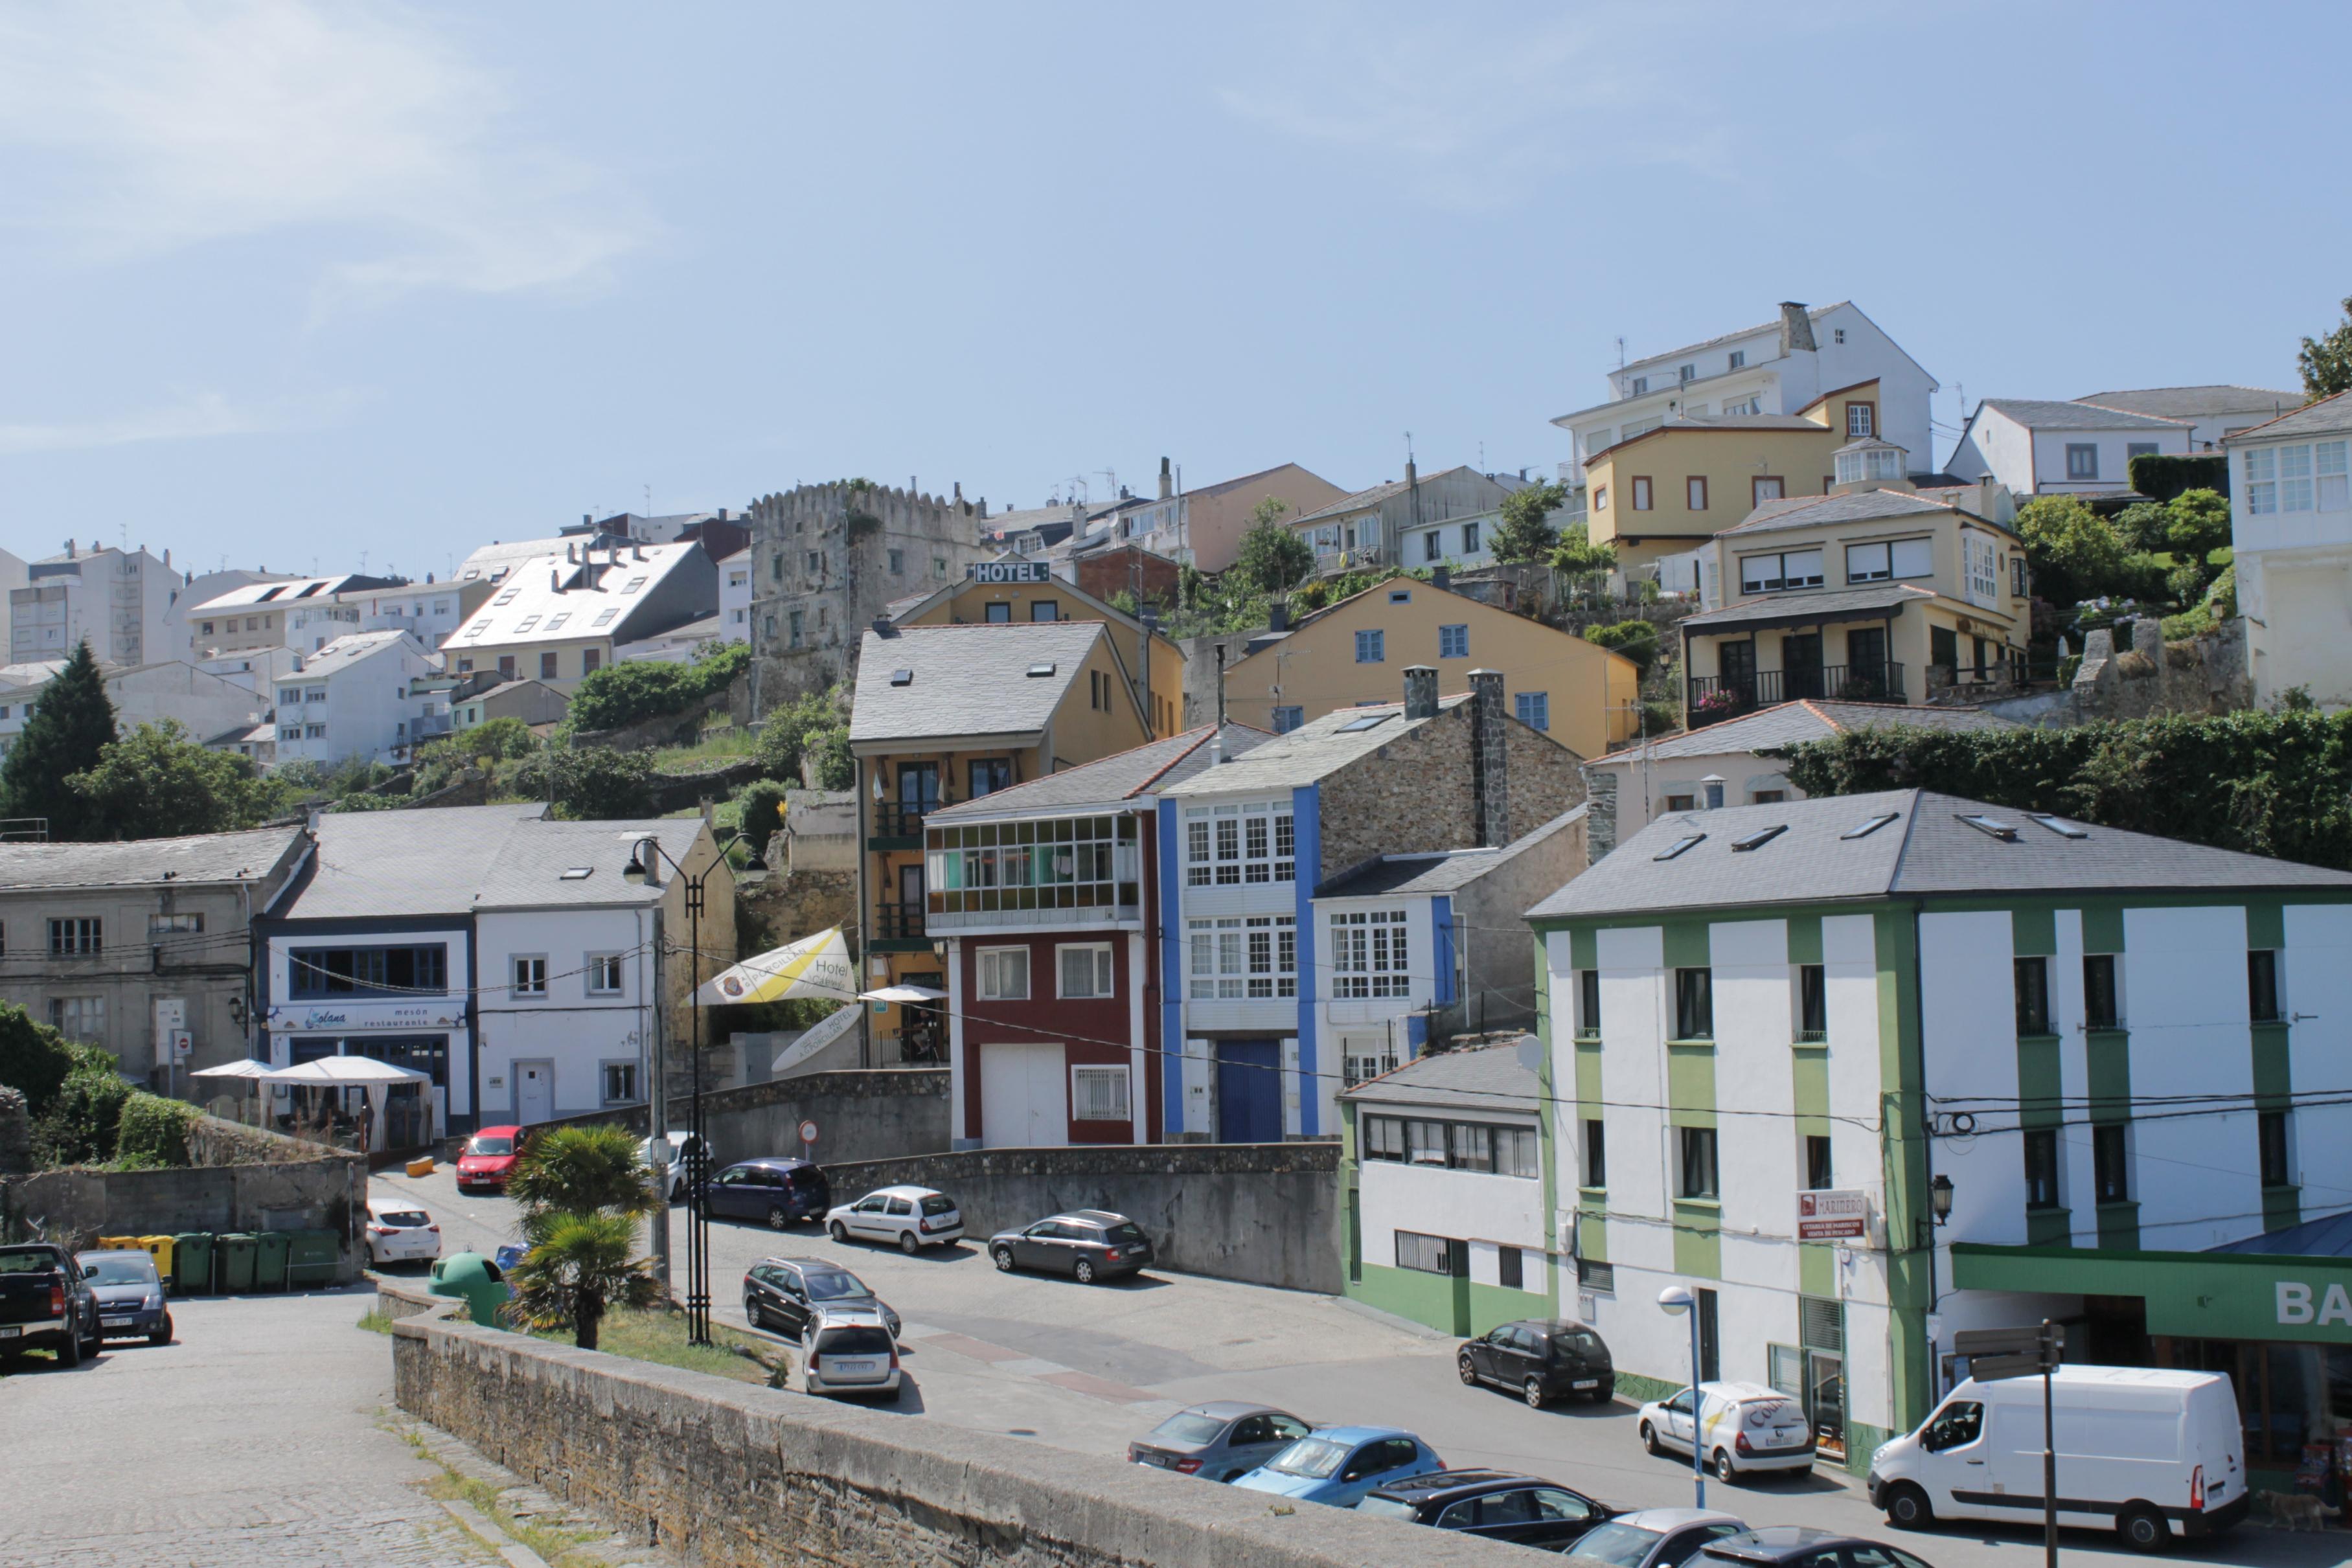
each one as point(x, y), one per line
point(1859, 507)
point(1311, 751)
point(203, 858)
point(1925, 852)
point(1829, 603)
point(283, 592)
point(2045, 413)
point(1448, 870)
point(2189, 403)
point(2328, 416)
point(1379, 493)
point(1795, 723)
point(529, 871)
point(1486, 1078)
point(2329, 1236)
point(351, 649)
point(969, 680)
point(457, 859)
point(1108, 780)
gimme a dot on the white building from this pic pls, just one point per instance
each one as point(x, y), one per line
point(117, 602)
point(306, 613)
point(562, 617)
point(2038, 447)
point(355, 698)
point(735, 597)
point(2291, 527)
point(2210, 412)
point(211, 709)
point(1778, 367)
point(1460, 541)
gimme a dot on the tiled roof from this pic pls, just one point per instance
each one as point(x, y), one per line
point(1107, 782)
point(2328, 416)
point(2189, 403)
point(1486, 1078)
point(1447, 872)
point(203, 858)
point(1927, 850)
point(968, 680)
point(1858, 507)
point(460, 859)
point(1317, 748)
point(2040, 413)
point(1830, 603)
point(1795, 723)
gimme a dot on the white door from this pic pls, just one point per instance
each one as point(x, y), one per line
point(534, 1092)
point(1025, 1097)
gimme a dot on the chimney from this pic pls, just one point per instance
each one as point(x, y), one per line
point(1412, 474)
point(1490, 773)
point(1421, 691)
point(1165, 484)
point(722, 514)
point(585, 519)
point(554, 582)
point(1796, 327)
point(1277, 616)
point(70, 549)
point(1441, 577)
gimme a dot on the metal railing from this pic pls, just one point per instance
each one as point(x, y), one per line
point(1714, 697)
point(898, 922)
point(895, 820)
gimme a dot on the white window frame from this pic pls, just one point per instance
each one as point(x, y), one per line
point(1104, 978)
point(989, 980)
point(522, 983)
point(1779, 579)
point(604, 1083)
point(1372, 954)
point(1101, 1074)
point(601, 967)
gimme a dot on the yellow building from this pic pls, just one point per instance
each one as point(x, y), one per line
point(1582, 694)
point(944, 714)
point(1878, 592)
point(1671, 488)
point(1023, 591)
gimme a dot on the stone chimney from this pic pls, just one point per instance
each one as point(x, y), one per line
point(1441, 577)
point(1166, 486)
point(1278, 618)
point(1490, 759)
point(1421, 691)
point(1796, 327)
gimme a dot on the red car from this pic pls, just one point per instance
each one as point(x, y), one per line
point(488, 1159)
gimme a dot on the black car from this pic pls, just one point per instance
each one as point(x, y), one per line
point(1495, 1504)
point(775, 1191)
point(1087, 1244)
point(1797, 1546)
point(1540, 1360)
point(783, 1293)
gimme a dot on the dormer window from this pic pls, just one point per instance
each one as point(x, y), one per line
point(1869, 461)
point(1640, 385)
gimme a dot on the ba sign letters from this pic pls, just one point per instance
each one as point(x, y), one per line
point(2294, 1304)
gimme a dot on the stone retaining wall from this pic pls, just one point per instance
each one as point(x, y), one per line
point(723, 1473)
point(861, 1114)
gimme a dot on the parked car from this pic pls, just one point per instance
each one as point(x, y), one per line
point(909, 1217)
point(1801, 1546)
point(1337, 1465)
point(785, 1293)
point(774, 1191)
point(1652, 1537)
point(488, 1158)
point(130, 1295)
point(674, 1150)
point(400, 1232)
point(1978, 1455)
point(1497, 1504)
point(1220, 1441)
point(1744, 1428)
point(1540, 1360)
point(45, 1304)
point(848, 1349)
point(1086, 1244)
point(508, 1254)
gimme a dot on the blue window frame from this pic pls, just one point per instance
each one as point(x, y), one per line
point(1371, 648)
point(1454, 642)
point(1533, 709)
point(1286, 719)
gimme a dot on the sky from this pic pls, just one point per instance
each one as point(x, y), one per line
point(362, 287)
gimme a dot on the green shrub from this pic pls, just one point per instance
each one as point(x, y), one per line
point(834, 768)
point(762, 811)
point(643, 688)
point(153, 1130)
point(34, 1058)
point(81, 1123)
point(501, 740)
point(1637, 639)
point(784, 737)
point(2162, 475)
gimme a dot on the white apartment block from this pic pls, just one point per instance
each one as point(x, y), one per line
point(357, 698)
point(2039, 447)
point(117, 602)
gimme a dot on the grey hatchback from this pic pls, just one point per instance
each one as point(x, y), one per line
point(130, 1295)
point(1218, 1441)
point(1088, 1244)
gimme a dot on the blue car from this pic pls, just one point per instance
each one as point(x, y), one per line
point(1337, 1465)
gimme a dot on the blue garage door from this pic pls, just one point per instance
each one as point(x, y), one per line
point(1249, 1091)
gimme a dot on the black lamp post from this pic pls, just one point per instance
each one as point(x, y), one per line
point(1939, 1198)
point(640, 869)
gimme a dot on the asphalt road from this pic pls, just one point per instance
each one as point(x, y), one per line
point(1088, 1368)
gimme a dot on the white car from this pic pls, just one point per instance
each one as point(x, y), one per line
point(912, 1217)
point(400, 1232)
point(673, 1152)
point(1744, 1426)
point(849, 1350)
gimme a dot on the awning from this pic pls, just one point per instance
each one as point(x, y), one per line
point(245, 1069)
point(2204, 1295)
point(343, 1073)
point(903, 994)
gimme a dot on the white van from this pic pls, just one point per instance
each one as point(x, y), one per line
point(2148, 1452)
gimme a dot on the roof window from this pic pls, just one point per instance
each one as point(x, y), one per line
point(507, 597)
point(1759, 838)
point(1991, 827)
point(269, 594)
point(2061, 827)
point(1678, 846)
point(308, 589)
point(525, 625)
point(1401, 596)
point(1038, 672)
point(579, 873)
point(605, 617)
point(1869, 825)
point(902, 677)
point(556, 621)
point(1369, 721)
point(633, 585)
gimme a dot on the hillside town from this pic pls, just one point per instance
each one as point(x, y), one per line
point(1765, 992)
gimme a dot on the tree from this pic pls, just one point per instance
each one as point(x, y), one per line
point(1637, 639)
point(1526, 533)
point(1578, 556)
point(786, 738)
point(2326, 362)
point(580, 1170)
point(592, 782)
point(156, 783)
point(2075, 553)
point(67, 726)
point(34, 1058)
point(501, 740)
point(761, 810)
point(1271, 558)
point(835, 768)
point(583, 1267)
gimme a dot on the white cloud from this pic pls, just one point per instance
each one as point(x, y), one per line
point(194, 417)
point(136, 131)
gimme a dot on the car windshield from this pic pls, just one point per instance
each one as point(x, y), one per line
point(859, 1340)
point(479, 1144)
point(118, 1268)
point(1619, 1545)
point(831, 1286)
point(1312, 1456)
point(1126, 1234)
point(1388, 1506)
point(1582, 1342)
point(1184, 1426)
point(935, 1204)
point(408, 1219)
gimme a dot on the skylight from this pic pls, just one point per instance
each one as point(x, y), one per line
point(1759, 838)
point(556, 621)
point(1869, 825)
point(579, 873)
point(1678, 846)
point(508, 596)
point(1369, 721)
point(605, 617)
point(633, 585)
point(525, 625)
point(2060, 826)
point(1039, 671)
point(1992, 827)
point(902, 677)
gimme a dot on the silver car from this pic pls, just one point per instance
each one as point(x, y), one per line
point(1219, 1441)
point(1652, 1537)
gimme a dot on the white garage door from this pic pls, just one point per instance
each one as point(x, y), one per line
point(1023, 1097)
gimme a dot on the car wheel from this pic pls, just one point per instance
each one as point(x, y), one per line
point(1605, 1394)
point(69, 1351)
point(1650, 1439)
point(908, 1244)
point(2143, 1528)
point(1003, 1256)
point(1722, 1467)
point(778, 1219)
point(1083, 1271)
point(752, 1313)
point(1908, 1506)
point(1469, 1372)
point(1532, 1391)
point(838, 1231)
point(163, 1334)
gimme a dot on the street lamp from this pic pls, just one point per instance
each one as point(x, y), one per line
point(642, 870)
point(1939, 1198)
point(1677, 1299)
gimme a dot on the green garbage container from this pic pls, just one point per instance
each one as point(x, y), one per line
point(270, 1260)
point(474, 1279)
point(191, 1263)
point(311, 1257)
point(234, 1270)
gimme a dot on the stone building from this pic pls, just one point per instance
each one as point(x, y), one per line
point(826, 560)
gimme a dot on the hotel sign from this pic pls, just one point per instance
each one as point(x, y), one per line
point(1009, 572)
point(1832, 1215)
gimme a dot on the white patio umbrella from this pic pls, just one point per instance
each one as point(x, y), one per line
point(247, 1071)
point(349, 1072)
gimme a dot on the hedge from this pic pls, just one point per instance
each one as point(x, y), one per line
point(2162, 475)
point(642, 688)
point(153, 1131)
point(34, 1058)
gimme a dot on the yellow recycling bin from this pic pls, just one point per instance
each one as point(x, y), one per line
point(160, 1248)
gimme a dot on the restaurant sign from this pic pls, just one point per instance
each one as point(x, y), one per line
point(1832, 1215)
point(349, 1019)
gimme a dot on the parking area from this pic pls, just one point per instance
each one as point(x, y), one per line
point(1090, 1367)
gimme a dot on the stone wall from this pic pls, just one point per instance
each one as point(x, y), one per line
point(677, 791)
point(732, 1476)
point(1200, 672)
point(1265, 1213)
point(861, 1114)
point(2137, 675)
point(15, 1133)
point(1417, 794)
point(683, 727)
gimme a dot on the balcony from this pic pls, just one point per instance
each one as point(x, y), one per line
point(898, 824)
point(1713, 698)
point(899, 929)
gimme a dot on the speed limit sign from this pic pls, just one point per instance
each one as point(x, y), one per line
point(808, 1132)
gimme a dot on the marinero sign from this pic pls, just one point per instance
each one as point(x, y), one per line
point(1009, 572)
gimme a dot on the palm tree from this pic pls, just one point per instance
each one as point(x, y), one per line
point(579, 1267)
point(578, 1171)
